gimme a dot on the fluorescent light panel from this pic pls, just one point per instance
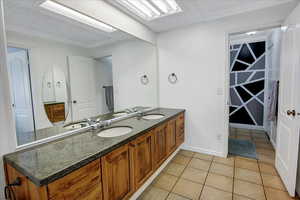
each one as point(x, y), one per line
point(77, 16)
point(251, 33)
point(151, 9)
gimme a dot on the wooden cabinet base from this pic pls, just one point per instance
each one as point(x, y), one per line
point(116, 175)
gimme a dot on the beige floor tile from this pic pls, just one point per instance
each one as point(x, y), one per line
point(221, 169)
point(243, 130)
point(273, 194)
point(267, 169)
point(165, 181)
point(154, 193)
point(263, 145)
point(182, 160)
point(248, 175)
point(245, 158)
point(267, 152)
point(174, 169)
point(220, 182)
point(186, 153)
point(259, 135)
point(226, 161)
point(250, 190)
point(239, 197)
point(195, 175)
point(243, 137)
point(266, 159)
point(173, 196)
point(210, 193)
point(188, 189)
point(246, 164)
point(199, 164)
point(203, 156)
point(272, 181)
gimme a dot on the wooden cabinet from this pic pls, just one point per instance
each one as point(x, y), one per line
point(160, 145)
point(113, 177)
point(84, 183)
point(142, 158)
point(116, 174)
point(180, 129)
point(55, 112)
point(171, 136)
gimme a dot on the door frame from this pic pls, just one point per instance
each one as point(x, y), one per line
point(267, 78)
point(227, 72)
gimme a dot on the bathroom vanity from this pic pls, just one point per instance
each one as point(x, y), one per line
point(86, 166)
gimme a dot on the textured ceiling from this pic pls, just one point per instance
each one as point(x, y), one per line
point(196, 11)
point(26, 17)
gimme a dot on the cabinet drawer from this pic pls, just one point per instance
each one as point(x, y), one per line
point(83, 182)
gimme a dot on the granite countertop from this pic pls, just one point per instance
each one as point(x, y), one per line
point(48, 162)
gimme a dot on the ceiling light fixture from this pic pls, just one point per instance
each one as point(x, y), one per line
point(151, 9)
point(77, 16)
point(251, 33)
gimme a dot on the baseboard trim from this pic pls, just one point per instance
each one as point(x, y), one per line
point(205, 151)
point(154, 175)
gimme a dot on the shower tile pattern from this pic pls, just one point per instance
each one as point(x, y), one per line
point(247, 83)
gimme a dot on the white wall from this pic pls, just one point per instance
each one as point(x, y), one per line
point(103, 78)
point(7, 129)
point(43, 56)
point(130, 60)
point(198, 55)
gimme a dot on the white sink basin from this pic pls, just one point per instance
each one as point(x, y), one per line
point(115, 131)
point(119, 114)
point(153, 116)
point(76, 126)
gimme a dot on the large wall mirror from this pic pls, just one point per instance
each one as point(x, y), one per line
point(63, 71)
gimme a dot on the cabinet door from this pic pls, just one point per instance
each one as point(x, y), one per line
point(180, 129)
point(117, 183)
point(84, 183)
point(142, 158)
point(171, 136)
point(160, 151)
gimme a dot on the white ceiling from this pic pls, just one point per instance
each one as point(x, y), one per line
point(26, 17)
point(196, 11)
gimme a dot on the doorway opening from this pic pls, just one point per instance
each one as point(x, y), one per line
point(253, 95)
point(21, 93)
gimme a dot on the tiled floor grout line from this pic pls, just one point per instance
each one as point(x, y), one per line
point(178, 178)
point(233, 178)
point(262, 180)
point(206, 176)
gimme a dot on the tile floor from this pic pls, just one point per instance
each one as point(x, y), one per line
point(195, 176)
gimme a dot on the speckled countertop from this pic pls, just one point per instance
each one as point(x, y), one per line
point(45, 163)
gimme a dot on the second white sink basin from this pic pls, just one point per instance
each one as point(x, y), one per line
point(153, 116)
point(115, 131)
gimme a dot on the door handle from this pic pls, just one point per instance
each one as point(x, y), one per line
point(74, 101)
point(291, 112)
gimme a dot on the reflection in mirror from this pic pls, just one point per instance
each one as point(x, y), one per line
point(55, 95)
point(65, 74)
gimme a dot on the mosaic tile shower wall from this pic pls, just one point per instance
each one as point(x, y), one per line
point(247, 83)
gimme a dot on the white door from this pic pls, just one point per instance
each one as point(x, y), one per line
point(83, 87)
point(288, 120)
point(21, 93)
